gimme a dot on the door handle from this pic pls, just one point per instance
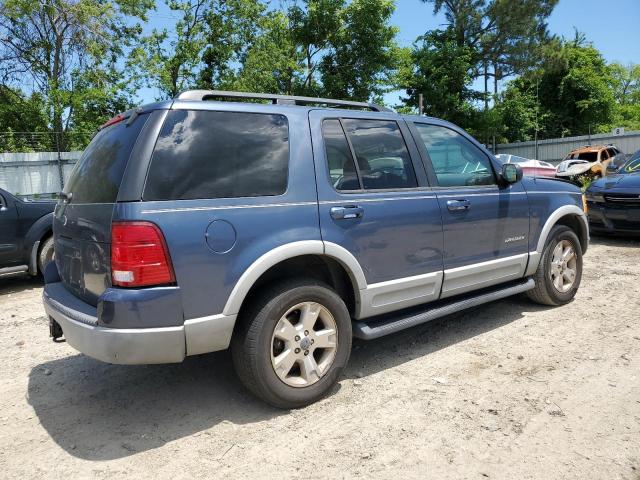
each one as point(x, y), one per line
point(346, 212)
point(458, 205)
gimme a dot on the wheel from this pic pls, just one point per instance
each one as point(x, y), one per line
point(293, 342)
point(560, 270)
point(46, 254)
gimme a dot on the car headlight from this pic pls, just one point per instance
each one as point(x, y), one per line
point(593, 197)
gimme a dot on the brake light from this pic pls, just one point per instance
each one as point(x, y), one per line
point(117, 119)
point(139, 255)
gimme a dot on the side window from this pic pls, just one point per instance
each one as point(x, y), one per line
point(207, 154)
point(342, 168)
point(383, 161)
point(456, 161)
point(604, 155)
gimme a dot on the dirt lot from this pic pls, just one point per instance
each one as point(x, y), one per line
point(508, 390)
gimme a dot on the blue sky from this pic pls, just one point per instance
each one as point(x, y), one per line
point(611, 25)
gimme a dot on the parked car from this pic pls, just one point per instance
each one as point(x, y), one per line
point(590, 161)
point(617, 162)
point(531, 168)
point(283, 230)
point(614, 201)
point(26, 241)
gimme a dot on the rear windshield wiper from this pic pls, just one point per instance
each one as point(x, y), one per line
point(65, 197)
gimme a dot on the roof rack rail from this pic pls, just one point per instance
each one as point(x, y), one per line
point(276, 99)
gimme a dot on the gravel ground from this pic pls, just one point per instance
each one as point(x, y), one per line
point(507, 390)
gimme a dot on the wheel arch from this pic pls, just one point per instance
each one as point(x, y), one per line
point(571, 216)
point(313, 258)
point(37, 233)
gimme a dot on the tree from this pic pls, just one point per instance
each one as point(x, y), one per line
point(24, 122)
point(442, 71)
point(168, 59)
point(323, 48)
point(68, 49)
point(271, 65)
point(365, 56)
point(573, 88)
point(625, 82)
point(502, 35)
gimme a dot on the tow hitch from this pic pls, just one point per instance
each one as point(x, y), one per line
point(55, 330)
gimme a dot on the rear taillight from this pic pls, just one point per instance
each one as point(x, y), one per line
point(139, 255)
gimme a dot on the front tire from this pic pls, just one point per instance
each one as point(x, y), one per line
point(560, 270)
point(293, 342)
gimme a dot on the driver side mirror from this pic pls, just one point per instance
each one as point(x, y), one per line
point(511, 173)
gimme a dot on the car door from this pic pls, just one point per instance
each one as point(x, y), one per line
point(9, 237)
point(375, 202)
point(485, 224)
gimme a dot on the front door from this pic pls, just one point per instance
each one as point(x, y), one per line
point(375, 202)
point(485, 224)
point(9, 238)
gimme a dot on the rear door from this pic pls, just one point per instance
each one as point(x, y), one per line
point(375, 201)
point(486, 225)
point(82, 223)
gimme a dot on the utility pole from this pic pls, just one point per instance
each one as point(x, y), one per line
point(537, 108)
point(420, 104)
point(60, 171)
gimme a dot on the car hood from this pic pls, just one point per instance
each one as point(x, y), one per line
point(628, 181)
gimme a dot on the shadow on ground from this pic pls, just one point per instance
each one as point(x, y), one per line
point(17, 283)
point(98, 411)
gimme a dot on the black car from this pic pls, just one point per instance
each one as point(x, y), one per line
point(614, 201)
point(26, 241)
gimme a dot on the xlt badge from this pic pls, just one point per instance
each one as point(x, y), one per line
point(514, 239)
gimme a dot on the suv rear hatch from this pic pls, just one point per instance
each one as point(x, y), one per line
point(82, 221)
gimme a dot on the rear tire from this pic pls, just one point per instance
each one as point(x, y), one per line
point(46, 254)
point(276, 329)
point(560, 270)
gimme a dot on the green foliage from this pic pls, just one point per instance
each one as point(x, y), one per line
point(364, 56)
point(442, 71)
point(573, 88)
point(69, 50)
point(85, 60)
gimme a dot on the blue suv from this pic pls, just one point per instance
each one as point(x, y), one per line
point(282, 227)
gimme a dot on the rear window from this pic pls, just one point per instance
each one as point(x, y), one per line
point(97, 176)
point(206, 154)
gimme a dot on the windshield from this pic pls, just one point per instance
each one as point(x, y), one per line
point(632, 165)
point(588, 156)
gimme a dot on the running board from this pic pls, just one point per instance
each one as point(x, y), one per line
point(12, 270)
point(380, 326)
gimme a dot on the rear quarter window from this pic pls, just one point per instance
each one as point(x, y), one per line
point(208, 154)
point(97, 176)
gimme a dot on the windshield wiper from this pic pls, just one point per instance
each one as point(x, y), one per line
point(65, 197)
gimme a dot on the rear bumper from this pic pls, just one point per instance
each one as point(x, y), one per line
point(79, 323)
point(112, 345)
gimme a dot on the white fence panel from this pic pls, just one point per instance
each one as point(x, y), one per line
point(27, 174)
point(556, 149)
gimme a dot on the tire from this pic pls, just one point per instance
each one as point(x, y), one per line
point(545, 291)
point(256, 345)
point(45, 255)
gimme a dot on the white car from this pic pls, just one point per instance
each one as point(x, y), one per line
point(532, 168)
